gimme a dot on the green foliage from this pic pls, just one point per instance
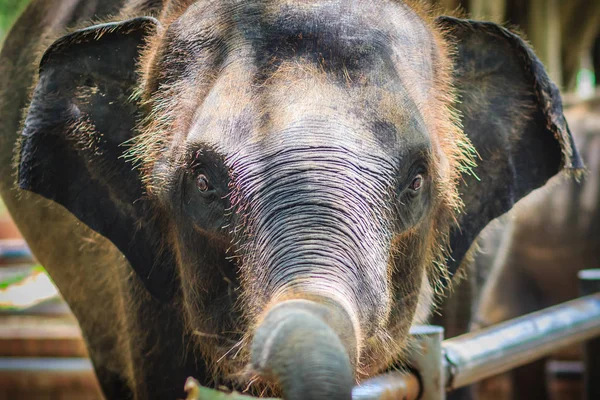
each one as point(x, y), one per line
point(17, 278)
point(197, 392)
point(9, 11)
point(13, 279)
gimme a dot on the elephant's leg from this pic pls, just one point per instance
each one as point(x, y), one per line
point(509, 293)
point(455, 317)
point(529, 381)
point(455, 311)
point(113, 384)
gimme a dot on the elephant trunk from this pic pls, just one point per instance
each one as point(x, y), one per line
point(308, 348)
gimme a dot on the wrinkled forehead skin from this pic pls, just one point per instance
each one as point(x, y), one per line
point(233, 75)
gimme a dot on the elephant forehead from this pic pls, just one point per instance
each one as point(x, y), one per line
point(341, 36)
point(306, 107)
point(341, 24)
point(239, 71)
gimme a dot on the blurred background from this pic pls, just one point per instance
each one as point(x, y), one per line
point(42, 354)
point(9, 11)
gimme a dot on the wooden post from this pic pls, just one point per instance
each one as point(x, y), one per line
point(580, 24)
point(494, 11)
point(544, 33)
point(450, 4)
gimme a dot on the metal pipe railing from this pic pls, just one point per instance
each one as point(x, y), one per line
point(472, 357)
point(50, 375)
point(15, 251)
point(478, 355)
point(392, 385)
point(40, 336)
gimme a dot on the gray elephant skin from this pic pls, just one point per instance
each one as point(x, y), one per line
point(263, 194)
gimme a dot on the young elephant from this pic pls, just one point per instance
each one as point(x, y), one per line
point(264, 191)
point(542, 244)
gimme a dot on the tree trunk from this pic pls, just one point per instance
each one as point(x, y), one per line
point(580, 25)
point(544, 34)
point(494, 11)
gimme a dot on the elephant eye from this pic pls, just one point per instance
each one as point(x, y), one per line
point(417, 183)
point(202, 183)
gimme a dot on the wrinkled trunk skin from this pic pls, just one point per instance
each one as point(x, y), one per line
point(314, 267)
point(315, 230)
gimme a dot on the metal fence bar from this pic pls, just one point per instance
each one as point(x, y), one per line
point(40, 336)
point(15, 251)
point(427, 358)
point(589, 282)
point(392, 385)
point(478, 355)
point(466, 359)
point(49, 374)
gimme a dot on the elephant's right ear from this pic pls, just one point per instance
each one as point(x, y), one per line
point(80, 115)
point(512, 113)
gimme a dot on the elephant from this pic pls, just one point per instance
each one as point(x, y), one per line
point(541, 244)
point(263, 194)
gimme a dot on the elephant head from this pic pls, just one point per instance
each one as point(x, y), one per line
point(301, 177)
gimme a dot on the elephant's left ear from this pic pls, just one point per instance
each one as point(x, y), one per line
point(512, 113)
point(72, 152)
